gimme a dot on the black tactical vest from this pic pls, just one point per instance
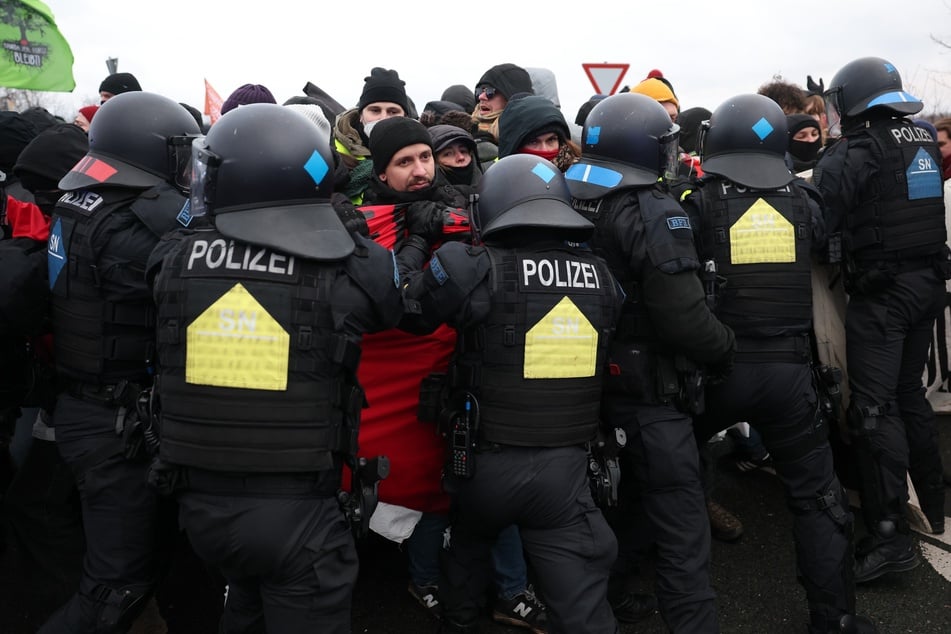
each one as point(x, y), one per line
point(761, 242)
point(901, 213)
point(254, 375)
point(536, 362)
point(101, 332)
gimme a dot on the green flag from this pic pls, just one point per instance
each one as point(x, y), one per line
point(33, 53)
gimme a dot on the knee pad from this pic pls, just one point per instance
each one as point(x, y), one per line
point(830, 503)
point(865, 420)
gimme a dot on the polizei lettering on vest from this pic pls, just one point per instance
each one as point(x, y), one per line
point(910, 134)
point(560, 273)
point(86, 201)
point(219, 254)
point(727, 186)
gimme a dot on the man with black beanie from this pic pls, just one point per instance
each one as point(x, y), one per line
point(494, 90)
point(383, 96)
point(116, 84)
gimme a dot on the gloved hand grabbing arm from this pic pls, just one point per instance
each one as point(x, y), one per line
point(352, 218)
point(436, 221)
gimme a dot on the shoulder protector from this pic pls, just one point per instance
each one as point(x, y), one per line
point(670, 240)
point(159, 208)
point(373, 268)
point(458, 269)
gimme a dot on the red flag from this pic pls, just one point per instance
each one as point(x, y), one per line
point(212, 103)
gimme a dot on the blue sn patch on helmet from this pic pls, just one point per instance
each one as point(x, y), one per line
point(762, 128)
point(317, 167)
point(890, 68)
point(543, 172)
point(594, 135)
point(593, 174)
point(898, 96)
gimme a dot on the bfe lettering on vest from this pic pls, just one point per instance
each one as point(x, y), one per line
point(221, 254)
point(559, 273)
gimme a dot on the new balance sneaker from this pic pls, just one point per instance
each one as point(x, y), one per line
point(428, 597)
point(746, 464)
point(522, 610)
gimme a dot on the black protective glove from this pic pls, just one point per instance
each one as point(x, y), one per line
point(429, 219)
point(352, 218)
point(718, 372)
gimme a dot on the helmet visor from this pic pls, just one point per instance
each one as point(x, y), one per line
point(702, 139)
point(202, 169)
point(834, 111)
point(180, 161)
point(669, 151)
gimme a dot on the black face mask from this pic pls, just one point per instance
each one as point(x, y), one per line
point(805, 151)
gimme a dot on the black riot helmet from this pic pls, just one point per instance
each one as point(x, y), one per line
point(265, 173)
point(137, 139)
point(745, 140)
point(864, 84)
point(524, 190)
point(628, 140)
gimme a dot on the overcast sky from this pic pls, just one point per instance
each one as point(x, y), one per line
point(709, 51)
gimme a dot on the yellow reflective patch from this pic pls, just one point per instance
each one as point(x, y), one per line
point(762, 235)
point(562, 345)
point(236, 343)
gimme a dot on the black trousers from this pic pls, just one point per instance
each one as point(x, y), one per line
point(567, 541)
point(289, 561)
point(660, 483)
point(779, 401)
point(888, 335)
point(45, 531)
point(120, 518)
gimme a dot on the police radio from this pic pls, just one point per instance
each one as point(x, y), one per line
point(462, 438)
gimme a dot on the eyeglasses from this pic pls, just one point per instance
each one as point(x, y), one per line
point(489, 92)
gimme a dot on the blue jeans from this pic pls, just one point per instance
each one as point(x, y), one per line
point(426, 542)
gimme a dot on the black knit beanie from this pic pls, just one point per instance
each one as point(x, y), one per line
point(461, 95)
point(118, 83)
point(383, 85)
point(391, 135)
point(796, 122)
point(508, 79)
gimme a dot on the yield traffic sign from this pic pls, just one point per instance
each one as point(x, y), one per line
point(605, 77)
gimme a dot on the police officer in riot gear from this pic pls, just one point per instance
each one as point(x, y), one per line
point(759, 226)
point(262, 304)
point(534, 315)
point(665, 336)
point(120, 198)
point(881, 182)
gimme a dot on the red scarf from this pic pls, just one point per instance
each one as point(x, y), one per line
point(27, 220)
point(548, 155)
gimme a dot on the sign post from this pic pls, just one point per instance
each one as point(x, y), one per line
point(606, 78)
